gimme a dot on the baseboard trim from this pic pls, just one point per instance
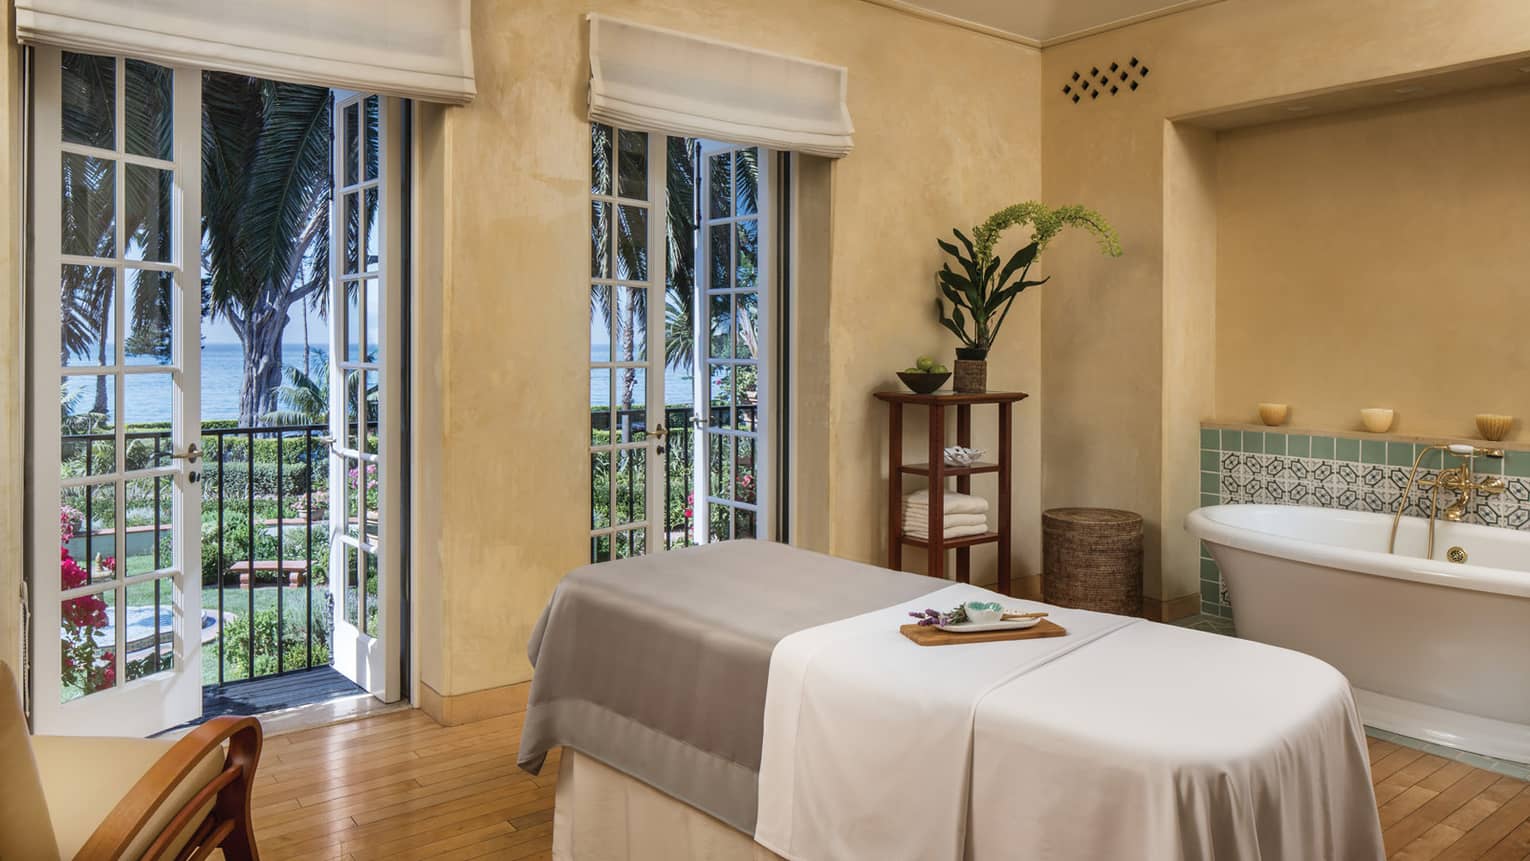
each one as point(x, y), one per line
point(1171, 610)
point(474, 705)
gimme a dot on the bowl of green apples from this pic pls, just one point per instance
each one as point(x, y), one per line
point(925, 376)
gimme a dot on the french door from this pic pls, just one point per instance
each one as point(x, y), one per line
point(680, 339)
point(114, 513)
point(364, 421)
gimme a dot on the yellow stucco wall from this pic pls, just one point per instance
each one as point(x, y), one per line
point(12, 368)
point(1376, 258)
point(1116, 393)
point(946, 132)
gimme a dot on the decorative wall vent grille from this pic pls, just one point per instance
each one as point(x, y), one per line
point(1112, 80)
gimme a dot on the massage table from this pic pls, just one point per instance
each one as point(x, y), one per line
point(751, 700)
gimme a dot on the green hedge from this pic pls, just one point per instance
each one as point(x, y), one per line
point(237, 474)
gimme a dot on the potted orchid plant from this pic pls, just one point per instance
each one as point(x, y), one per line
point(981, 291)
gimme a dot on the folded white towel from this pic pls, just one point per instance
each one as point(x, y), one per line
point(955, 503)
point(950, 521)
point(923, 530)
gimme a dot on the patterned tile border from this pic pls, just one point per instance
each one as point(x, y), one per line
point(1250, 466)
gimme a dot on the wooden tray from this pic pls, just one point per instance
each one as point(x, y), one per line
point(929, 635)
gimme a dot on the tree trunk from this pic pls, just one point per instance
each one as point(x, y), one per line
point(100, 405)
point(262, 341)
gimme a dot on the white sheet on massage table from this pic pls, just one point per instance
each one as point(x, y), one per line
point(867, 735)
point(1160, 742)
point(1142, 734)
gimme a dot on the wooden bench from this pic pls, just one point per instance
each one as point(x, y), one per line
point(295, 569)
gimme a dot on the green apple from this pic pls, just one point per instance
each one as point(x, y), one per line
point(940, 369)
point(912, 371)
point(925, 363)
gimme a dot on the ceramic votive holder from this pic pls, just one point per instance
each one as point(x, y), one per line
point(1494, 427)
point(1377, 419)
point(1274, 415)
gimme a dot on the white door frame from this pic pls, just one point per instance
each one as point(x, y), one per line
point(368, 656)
point(765, 289)
point(171, 696)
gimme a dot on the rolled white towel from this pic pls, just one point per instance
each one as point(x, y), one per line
point(950, 521)
point(955, 503)
point(923, 531)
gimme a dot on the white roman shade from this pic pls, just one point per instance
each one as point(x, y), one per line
point(659, 80)
point(418, 49)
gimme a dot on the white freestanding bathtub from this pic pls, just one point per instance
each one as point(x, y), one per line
point(1435, 650)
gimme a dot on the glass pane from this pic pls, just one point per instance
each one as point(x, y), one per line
point(149, 527)
point(600, 406)
point(720, 528)
point(370, 596)
point(352, 142)
point(369, 426)
point(631, 485)
point(720, 263)
point(746, 182)
point(87, 328)
point(600, 489)
point(600, 159)
point(88, 530)
point(374, 320)
point(743, 526)
point(150, 634)
point(89, 203)
point(372, 252)
point(600, 240)
point(147, 403)
point(721, 325)
point(352, 399)
point(353, 321)
point(149, 311)
point(88, 100)
point(600, 323)
point(632, 161)
point(748, 248)
point(721, 396)
point(746, 397)
point(743, 470)
point(631, 405)
point(88, 416)
point(720, 466)
point(721, 189)
point(351, 204)
point(747, 330)
point(630, 543)
point(631, 324)
point(350, 596)
point(372, 130)
point(89, 653)
point(632, 244)
point(600, 548)
point(355, 499)
point(150, 110)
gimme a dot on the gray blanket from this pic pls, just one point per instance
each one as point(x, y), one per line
point(657, 666)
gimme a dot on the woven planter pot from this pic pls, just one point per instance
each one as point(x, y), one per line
point(971, 370)
point(1092, 559)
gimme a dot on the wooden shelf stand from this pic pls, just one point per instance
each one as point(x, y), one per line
point(938, 471)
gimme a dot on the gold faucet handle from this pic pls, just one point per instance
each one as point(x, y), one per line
point(1491, 486)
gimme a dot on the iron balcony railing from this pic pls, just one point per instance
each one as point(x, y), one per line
point(264, 539)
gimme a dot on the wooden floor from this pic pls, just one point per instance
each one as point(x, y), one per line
point(401, 786)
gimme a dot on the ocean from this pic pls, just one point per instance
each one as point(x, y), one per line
point(147, 396)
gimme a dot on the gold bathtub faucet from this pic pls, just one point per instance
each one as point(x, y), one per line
point(1457, 479)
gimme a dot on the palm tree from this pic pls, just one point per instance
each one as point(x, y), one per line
point(304, 398)
point(266, 191)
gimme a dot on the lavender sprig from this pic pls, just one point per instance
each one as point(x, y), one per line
point(935, 617)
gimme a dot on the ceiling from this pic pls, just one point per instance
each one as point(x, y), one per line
point(1044, 21)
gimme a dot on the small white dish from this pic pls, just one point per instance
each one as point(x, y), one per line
point(983, 612)
point(980, 627)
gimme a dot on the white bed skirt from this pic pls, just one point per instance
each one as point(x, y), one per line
point(604, 815)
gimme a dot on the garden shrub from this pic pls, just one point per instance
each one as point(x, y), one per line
point(236, 643)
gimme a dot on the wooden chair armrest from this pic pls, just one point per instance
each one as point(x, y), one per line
point(133, 812)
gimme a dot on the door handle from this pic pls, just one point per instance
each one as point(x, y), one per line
point(192, 454)
point(660, 432)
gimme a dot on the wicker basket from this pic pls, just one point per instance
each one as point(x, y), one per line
point(1092, 559)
